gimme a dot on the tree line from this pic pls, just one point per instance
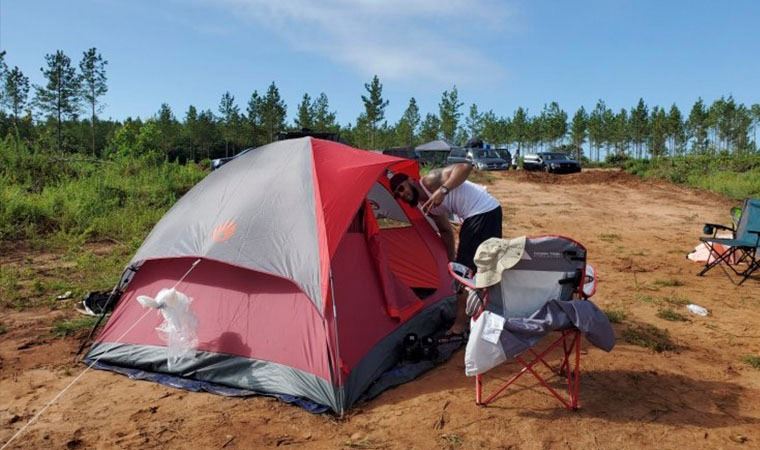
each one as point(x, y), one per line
point(62, 114)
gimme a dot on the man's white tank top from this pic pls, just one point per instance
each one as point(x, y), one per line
point(466, 200)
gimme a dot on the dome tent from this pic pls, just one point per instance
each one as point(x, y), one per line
point(310, 275)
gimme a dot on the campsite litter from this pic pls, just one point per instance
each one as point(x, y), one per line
point(698, 310)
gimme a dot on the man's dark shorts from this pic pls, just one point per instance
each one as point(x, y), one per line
point(474, 231)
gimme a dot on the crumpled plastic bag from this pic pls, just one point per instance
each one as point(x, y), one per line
point(179, 327)
point(482, 353)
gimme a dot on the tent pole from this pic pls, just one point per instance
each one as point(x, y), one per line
point(338, 368)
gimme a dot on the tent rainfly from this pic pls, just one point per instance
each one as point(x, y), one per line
point(310, 275)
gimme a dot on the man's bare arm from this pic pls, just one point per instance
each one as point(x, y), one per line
point(451, 176)
point(447, 234)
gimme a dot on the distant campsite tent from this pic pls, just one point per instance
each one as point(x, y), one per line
point(435, 152)
point(310, 275)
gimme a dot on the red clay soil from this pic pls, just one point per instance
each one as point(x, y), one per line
point(699, 395)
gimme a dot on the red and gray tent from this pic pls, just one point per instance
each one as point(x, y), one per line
point(310, 275)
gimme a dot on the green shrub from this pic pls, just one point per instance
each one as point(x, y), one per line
point(120, 198)
point(736, 176)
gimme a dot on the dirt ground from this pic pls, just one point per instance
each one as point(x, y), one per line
point(699, 395)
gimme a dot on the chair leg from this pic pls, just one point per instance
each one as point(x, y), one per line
point(572, 374)
point(723, 257)
point(575, 399)
point(754, 264)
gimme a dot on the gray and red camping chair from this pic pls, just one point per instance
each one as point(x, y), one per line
point(740, 253)
point(545, 291)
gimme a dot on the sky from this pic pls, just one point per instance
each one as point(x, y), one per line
point(499, 54)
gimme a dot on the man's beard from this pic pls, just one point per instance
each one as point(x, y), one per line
point(415, 198)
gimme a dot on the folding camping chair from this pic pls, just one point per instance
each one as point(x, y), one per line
point(551, 268)
point(742, 249)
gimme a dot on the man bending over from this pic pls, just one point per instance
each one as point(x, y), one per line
point(446, 191)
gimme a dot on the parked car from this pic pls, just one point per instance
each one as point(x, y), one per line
point(506, 155)
point(407, 153)
point(551, 162)
point(487, 160)
point(219, 162)
point(458, 155)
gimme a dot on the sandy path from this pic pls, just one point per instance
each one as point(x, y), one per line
point(699, 396)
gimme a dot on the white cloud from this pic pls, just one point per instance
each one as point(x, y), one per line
point(424, 40)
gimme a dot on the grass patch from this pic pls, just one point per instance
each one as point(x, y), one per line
point(452, 441)
point(668, 282)
point(669, 314)
point(676, 300)
point(65, 328)
point(649, 336)
point(644, 298)
point(615, 315)
point(752, 361)
point(609, 237)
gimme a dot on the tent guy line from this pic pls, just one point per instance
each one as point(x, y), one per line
point(89, 366)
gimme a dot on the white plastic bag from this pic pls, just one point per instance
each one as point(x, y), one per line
point(178, 329)
point(698, 310)
point(482, 354)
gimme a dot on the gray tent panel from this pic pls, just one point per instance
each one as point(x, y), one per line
point(223, 217)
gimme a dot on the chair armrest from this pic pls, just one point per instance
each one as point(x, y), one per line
point(722, 227)
point(712, 228)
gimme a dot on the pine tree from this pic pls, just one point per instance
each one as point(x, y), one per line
point(474, 122)
point(16, 92)
point(554, 123)
point(190, 130)
point(60, 97)
point(639, 126)
point(273, 112)
point(596, 126)
point(254, 117)
point(755, 113)
point(3, 72)
point(324, 119)
point(659, 132)
point(697, 126)
point(374, 111)
point(229, 115)
point(430, 129)
point(207, 132)
point(93, 76)
point(620, 133)
point(305, 115)
point(578, 131)
point(492, 128)
point(519, 128)
point(676, 132)
point(168, 128)
point(406, 128)
point(448, 110)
